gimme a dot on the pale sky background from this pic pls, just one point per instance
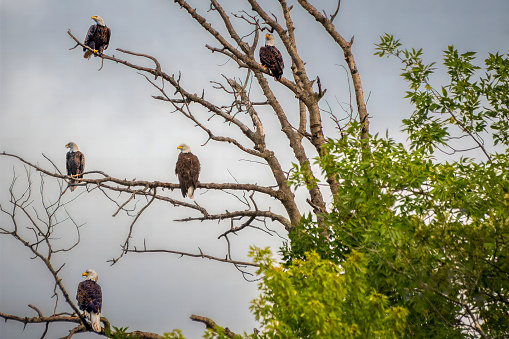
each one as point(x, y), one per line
point(50, 95)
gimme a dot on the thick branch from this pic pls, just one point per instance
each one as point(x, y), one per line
point(71, 319)
point(284, 194)
point(293, 137)
point(239, 56)
point(210, 324)
point(307, 94)
point(150, 184)
point(41, 319)
point(347, 51)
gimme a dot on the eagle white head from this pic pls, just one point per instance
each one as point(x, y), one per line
point(72, 147)
point(90, 275)
point(184, 148)
point(98, 19)
point(269, 40)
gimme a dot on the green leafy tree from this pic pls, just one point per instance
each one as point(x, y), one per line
point(411, 246)
point(469, 104)
point(434, 234)
point(414, 247)
point(315, 298)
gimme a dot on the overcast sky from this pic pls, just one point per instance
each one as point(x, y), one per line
point(50, 95)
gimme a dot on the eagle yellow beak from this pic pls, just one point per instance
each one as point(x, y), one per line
point(93, 17)
point(267, 35)
point(67, 146)
point(84, 274)
point(179, 147)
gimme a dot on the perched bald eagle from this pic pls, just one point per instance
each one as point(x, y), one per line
point(98, 37)
point(90, 299)
point(187, 170)
point(271, 57)
point(75, 163)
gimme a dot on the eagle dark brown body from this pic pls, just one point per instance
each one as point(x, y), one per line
point(89, 296)
point(187, 171)
point(90, 299)
point(271, 58)
point(98, 38)
point(75, 163)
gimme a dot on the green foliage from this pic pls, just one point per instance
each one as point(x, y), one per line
point(496, 88)
point(316, 298)
point(119, 333)
point(175, 334)
point(308, 236)
point(216, 333)
point(302, 175)
point(222, 333)
point(411, 247)
point(434, 235)
point(470, 106)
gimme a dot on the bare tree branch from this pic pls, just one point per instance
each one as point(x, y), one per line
point(333, 16)
point(210, 324)
point(347, 51)
point(43, 245)
point(186, 254)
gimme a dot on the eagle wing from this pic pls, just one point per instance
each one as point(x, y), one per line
point(271, 58)
point(68, 163)
point(195, 172)
point(279, 58)
point(90, 35)
point(102, 38)
point(108, 35)
point(89, 296)
point(81, 164)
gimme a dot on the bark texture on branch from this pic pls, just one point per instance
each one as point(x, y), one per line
point(346, 46)
point(210, 324)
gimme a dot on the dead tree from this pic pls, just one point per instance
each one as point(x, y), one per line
point(36, 222)
point(242, 114)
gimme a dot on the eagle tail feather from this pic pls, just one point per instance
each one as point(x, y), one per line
point(190, 192)
point(72, 185)
point(95, 319)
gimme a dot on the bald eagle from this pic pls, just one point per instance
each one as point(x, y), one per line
point(271, 57)
point(187, 170)
point(98, 37)
point(75, 163)
point(89, 298)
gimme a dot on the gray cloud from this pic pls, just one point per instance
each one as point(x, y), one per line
point(50, 95)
